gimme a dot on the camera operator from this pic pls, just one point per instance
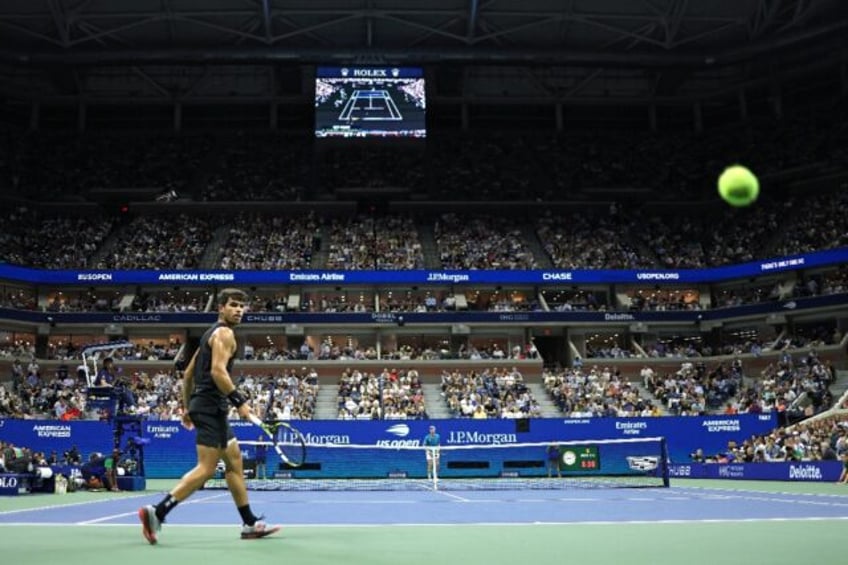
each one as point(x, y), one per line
point(697, 456)
point(72, 456)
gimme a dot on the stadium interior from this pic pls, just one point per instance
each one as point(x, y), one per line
point(553, 247)
point(497, 219)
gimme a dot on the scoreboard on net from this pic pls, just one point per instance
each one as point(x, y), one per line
point(579, 458)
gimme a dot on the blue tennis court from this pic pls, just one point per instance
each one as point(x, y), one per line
point(599, 525)
point(370, 105)
point(680, 504)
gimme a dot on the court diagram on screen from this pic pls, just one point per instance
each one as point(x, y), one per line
point(370, 105)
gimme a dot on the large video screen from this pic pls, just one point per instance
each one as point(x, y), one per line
point(370, 102)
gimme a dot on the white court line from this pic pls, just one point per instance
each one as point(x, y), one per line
point(458, 499)
point(319, 501)
point(762, 492)
point(773, 500)
point(768, 499)
point(70, 504)
point(773, 497)
point(362, 502)
point(134, 512)
point(105, 518)
point(454, 496)
point(466, 524)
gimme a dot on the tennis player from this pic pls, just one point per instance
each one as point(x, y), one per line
point(261, 457)
point(208, 390)
point(843, 476)
point(432, 441)
point(553, 459)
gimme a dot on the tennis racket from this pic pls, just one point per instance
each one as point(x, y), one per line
point(287, 441)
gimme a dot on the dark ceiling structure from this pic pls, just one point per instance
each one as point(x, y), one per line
point(568, 52)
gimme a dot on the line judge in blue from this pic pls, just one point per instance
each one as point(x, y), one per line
point(432, 441)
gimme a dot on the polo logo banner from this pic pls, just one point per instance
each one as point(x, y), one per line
point(10, 485)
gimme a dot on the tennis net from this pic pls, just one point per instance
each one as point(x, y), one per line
point(612, 463)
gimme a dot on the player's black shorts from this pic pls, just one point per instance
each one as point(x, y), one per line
point(213, 430)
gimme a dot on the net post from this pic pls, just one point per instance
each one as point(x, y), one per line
point(435, 453)
point(664, 463)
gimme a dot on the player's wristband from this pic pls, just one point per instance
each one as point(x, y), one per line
point(236, 398)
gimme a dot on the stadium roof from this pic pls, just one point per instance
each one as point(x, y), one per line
point(525, 51)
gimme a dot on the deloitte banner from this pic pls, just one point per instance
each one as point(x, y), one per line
point(827, 471)
point(170, 451)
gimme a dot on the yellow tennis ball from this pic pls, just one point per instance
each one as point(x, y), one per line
point(738, 186)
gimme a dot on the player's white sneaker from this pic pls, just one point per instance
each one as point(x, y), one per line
point(258, 530)
point(150, 523)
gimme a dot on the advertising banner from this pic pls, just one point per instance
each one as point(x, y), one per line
point(392, 318)
point(170, 451)
point(425, 277)
point(827, 471)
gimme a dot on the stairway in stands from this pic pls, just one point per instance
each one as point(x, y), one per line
point(549, 409)
point(840, 385)
point(648, 395)
point(103, 254)
point(326, 403)
point(429, 248)
point(321, 249)
point(534, 244)
point(433, 402)
point(211, 258)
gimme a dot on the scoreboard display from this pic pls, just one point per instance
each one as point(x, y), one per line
point(579, 458)
point(356, 102)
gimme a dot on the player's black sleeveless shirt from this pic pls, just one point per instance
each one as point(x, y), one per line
point(206, 397)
